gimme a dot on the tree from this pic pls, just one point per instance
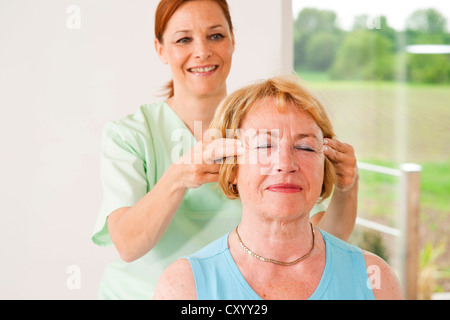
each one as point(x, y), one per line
point(427, 26)
point(376, 24)
point(311, 20)
point(364, 55)
point(426, 68)
point(368, 52)
point(321, 50)
point(426, 21)
point(309, 23)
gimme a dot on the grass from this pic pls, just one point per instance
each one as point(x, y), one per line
point(435, 183)
point(435, 186)
point(322, 79)
point(378, 195)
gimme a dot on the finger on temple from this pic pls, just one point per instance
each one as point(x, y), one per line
point(224, 148)
point(336, 144)
point(331, 154)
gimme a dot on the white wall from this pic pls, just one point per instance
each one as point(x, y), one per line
point(58, 87)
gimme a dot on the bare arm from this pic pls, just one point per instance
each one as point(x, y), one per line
point(136, 230)
point(384, 282)
point(340, 216)
point(176, 283)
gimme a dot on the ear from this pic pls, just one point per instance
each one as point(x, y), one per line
point(160, 51)
point(232, 41)
point(234, 179)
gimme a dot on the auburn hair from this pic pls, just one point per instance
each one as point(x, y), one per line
point(164, 12)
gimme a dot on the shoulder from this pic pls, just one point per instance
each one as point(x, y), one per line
point(176, 282)
point(339, 244)
point(212, 250)
point(137, 120)
point(384, 282)
point(135, 129)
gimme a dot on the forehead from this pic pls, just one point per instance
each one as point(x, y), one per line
point(264, 114)
point(198, 12)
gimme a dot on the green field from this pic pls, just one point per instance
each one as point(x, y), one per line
point(388, 124)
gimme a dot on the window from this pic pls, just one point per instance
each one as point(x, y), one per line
point(382, 69)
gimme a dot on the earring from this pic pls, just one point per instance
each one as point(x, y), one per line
point(232, 187)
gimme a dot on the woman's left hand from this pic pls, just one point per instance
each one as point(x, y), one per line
point(342, 156)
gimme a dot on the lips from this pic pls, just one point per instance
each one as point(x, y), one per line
point(203, 70)
point(285, 188)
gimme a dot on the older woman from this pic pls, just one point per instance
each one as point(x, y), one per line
point(279, 179)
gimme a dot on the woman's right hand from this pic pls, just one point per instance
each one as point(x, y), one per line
point(136, 230)
point(201, 164)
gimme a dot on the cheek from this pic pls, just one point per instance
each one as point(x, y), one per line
point(314, 171)
point(248, 181)
point(177, 57)
point(226, 53)
point(319, 176)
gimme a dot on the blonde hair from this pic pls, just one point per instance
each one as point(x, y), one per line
point(285, 89)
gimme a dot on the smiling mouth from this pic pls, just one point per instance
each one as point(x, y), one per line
point(285, 188)
point(203, 70)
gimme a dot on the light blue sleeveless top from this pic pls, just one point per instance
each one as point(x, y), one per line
point(217, 276)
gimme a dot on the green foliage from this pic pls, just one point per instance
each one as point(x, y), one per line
point(370, 241)
point(321, 50)
point(426, 21)
point(428, 68)
point(364, 55)
point(430, 270)
point(435, 185)
point(371, 50)
point(313, 29)
point(312, 20)
point(430, 253)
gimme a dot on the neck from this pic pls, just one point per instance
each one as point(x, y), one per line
point(192, 109)
point(280, 240)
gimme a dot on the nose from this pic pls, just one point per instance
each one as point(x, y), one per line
point(286, 161)
point(202, 50)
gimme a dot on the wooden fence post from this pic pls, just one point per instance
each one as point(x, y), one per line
point(410, 208)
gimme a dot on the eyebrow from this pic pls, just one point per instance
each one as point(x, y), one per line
point(306, 135)
point(275, 131)
point(187, 31)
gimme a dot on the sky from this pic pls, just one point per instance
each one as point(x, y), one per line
point(396, 11)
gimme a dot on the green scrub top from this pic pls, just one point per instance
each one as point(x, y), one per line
point(136, 152)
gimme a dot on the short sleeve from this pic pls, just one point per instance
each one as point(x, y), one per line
point(123, 175)
point(318, 207)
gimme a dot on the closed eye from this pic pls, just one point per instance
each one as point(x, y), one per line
point(305, 148)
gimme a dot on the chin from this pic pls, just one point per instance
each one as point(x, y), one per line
point(206, 88)
point(285, 211)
